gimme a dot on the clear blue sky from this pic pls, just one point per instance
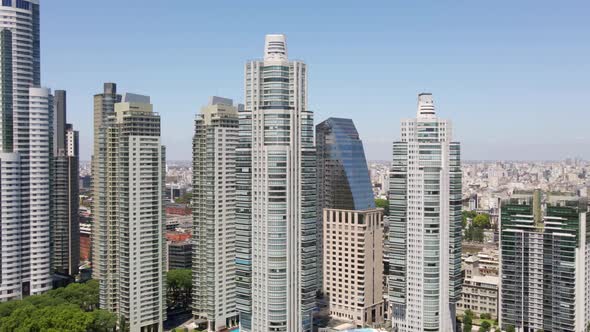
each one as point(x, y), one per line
point(514, 76)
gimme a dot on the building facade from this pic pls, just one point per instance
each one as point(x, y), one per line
point(276, 196)
point(180, 255)
point(65, 226)
point(104, 108)
point(25, 155)
point(132, 277)
point(479, 292)
point(544, 251)
point(424, 284)
point(214, 210)
point(353, 265)
point(342, 173)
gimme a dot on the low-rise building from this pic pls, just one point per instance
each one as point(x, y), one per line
point(480, 292)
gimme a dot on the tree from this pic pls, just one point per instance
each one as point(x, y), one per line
point(510, 328)
point(384, 204)
point(482, 221)
point(72, 308)
point(467, 321)
point(485, 326)
point(485, 316)
point(180, 286)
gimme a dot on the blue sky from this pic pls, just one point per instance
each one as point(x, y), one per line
point(513, 76)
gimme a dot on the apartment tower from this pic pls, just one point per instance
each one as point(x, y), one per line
point(276, 196)
point(131, 246)
point(425, 224)
point(544, 266)
point(26, 113)
point(104, 108)
point(65, 227)
point(214, 205)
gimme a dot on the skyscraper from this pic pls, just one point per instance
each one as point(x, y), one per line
point(214, 225)
point(544, 262)
point(276, 196)
point(425, 224)
point(25, 155)
point(351, 228)
point(65, 228)
point(131, 245)
point(104, 107)
point(342, 173)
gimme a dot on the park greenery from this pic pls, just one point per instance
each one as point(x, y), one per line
point(384, 204)
point(73, 308)
point(180, 286)
point(184, 199)
point(474, 231)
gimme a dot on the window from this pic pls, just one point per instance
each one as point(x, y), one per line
point(22, 4)
point(7, 3)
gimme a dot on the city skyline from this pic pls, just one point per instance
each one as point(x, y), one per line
point(502, 73)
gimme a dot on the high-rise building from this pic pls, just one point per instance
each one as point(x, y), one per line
point(276, 196)
point(425, 224)
point(26, 113)
point(214, 210)
point(353, 265)
point(544, 262)
point(104, 108)
point(65, 227)
point(343, 180)
point(350, 228)
point(131, 247)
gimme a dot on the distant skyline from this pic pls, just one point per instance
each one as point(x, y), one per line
point(512, 76)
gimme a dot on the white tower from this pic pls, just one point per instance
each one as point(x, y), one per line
point(25, 155)
point(425, 224)
point(276, 242)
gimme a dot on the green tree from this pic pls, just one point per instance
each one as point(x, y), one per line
point(485, 326)
point(72, 308)
point(482, 221)
point(180, 286)
point(384, 204)
point(510, 328)
point(485, 316)
point(184, 199)
point(467, 321)
point(103, 321)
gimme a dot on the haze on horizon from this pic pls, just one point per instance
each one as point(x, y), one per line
point(512, 76)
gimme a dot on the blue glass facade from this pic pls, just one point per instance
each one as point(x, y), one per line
point(343, 175)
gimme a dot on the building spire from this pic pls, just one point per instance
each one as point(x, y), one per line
point(426, 106)
point(275, 47)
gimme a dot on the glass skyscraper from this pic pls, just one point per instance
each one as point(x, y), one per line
point(544, 264)
point(342, 173)
point(350, 228)
point(276, 196)
point(425, 224)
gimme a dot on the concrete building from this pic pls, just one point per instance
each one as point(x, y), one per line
point(353, 265)
point(544, 262)
point(479, 292)
point(276, 196)
point(26, 114)
point(180, 255)
point(425, 224)
point(214, 210)
point(104, 108)
point(132, 275)
point(65, 226)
